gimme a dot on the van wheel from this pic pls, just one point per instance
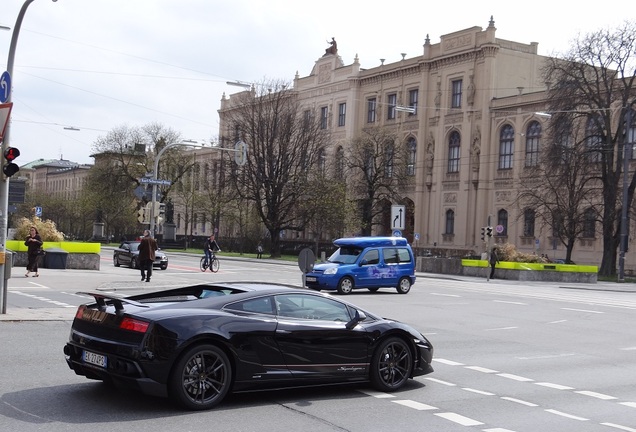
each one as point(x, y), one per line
point(404, 285)
point(345, 286)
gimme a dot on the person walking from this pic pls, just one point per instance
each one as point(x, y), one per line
point(34, 245)
point(259, 250)
point(147, 248)
point(494, 260)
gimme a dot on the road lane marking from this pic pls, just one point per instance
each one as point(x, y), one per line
point(519, 401)
point(554, 386)
point(498, 430)
point(582, 310)
point(510, 302)
point(628, 349)
point(623, 428)
point(595, 395)
point(448, 362)
point(445, 295)
point(481, 392)
point(415, 405)
point(501, 328)
point(557, 322)
point(459, 419)
point(44, 299)
point(629, 404)
point(546, 356)
point(446, 383)
point(515, 377)
point(375, 394)
point(566, 415)
point(481, 369)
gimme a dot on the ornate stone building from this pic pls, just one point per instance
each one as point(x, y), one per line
point(469, 112)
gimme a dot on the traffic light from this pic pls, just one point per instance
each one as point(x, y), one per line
point(489, 231)
point(10, 168)
point(141, 215)
point(483, 233)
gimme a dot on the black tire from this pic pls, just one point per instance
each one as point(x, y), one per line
point(201, 378)
point(133, 263)
point(214, 266)
point(404, 285)
point(202, 265)
point(392, 365)
point(116, 261)
point(345, 286)
point(164, 266)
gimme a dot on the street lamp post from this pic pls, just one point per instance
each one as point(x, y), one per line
point(627, 155)
point(4, 184)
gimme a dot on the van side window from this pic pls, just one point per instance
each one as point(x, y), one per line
point(372, 257)
point(404, 255)
point(390, 255)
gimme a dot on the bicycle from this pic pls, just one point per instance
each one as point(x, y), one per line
point(213, 265)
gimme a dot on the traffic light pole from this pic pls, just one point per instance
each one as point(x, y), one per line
point(4, 184)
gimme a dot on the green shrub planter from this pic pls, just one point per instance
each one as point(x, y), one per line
point(533, 271)
point(77, 255)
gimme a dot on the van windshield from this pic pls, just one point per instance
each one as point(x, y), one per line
point(345, 255)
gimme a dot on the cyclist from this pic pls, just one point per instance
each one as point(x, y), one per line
point(209, 247)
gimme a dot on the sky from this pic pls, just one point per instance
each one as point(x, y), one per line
point(85, 67)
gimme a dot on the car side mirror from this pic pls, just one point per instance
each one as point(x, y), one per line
point(363, 262)
point(357, 317)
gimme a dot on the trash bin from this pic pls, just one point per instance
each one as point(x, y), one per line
point(55, 258)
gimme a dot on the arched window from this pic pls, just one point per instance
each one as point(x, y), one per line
point(450, 222)
point(528, 222)
point(502, 219)
point(506, 147)
point(411, 149)
point(533, 137)
point(453, 152)
point(593, 138)
point(589, 223)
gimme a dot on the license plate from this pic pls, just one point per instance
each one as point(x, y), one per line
point(310, 279)
point(95, 359)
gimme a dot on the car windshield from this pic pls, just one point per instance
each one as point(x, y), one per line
point(133, 246)
point(345, 255)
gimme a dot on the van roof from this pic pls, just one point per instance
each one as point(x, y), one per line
point(373, 241)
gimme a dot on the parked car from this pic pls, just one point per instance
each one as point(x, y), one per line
point(127, 254)
point(195, 344)
point(365, 262)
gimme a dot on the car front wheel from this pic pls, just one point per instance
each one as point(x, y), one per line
point(392, 365)
point(201, 378)
point(404, 285)
point(134, 264)
point(345, 286)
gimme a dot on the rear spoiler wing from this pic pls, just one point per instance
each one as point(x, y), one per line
point(101, 299)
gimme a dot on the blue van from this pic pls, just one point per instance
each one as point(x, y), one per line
point(365, 262)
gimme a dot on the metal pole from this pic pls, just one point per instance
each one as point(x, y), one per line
point(627, 152)
point(4, 184)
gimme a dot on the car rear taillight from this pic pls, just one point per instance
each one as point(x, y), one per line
point(134, 325)
point(80, 312)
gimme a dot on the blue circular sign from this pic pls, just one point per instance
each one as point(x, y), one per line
point(5, 87)
point(397, 233)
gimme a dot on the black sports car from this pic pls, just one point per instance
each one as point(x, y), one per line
point(197, 343)
point(127, 254)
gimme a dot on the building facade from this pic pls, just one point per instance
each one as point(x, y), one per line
point(469, 110)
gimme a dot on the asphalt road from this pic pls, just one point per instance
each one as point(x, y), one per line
point(509, 356)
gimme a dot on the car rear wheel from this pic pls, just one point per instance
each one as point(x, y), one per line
point(404, 285)
point(392, 365)
point(345, 286)
point(116, 261)
point(201, 378)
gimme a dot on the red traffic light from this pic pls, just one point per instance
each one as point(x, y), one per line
point(11, 153)
point(10, 168)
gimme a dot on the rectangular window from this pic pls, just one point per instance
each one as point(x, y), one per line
point(413, 95)
point(392, 102)
point(324, 113)
point(371, 107)
point(505, 154)
point(456, 101)
point(342, 114)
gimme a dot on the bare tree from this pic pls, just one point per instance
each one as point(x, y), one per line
point(284, 140)
point(561, 188)
point(376, 165)
point(595, 80)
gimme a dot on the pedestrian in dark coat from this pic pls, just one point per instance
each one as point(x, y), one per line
point(494, 260)
point(147, 248)
point(34, 246)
